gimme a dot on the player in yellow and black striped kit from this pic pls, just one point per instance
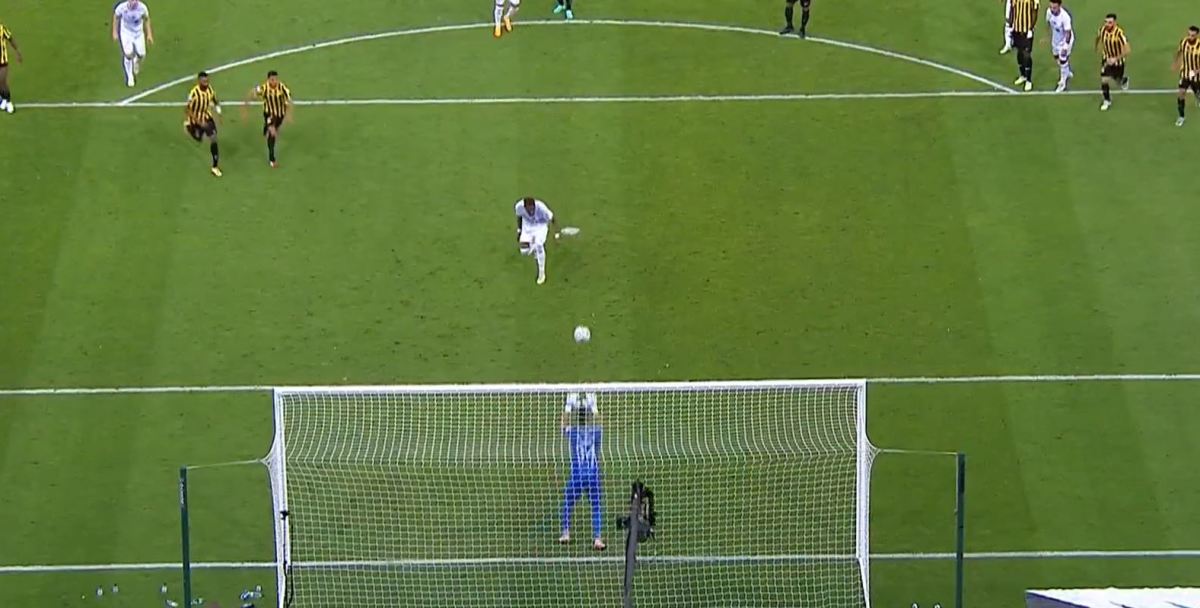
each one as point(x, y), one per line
point(1023, 17)
point(1114, 49)
point(200, 117)
point(277, 101)
point(1187, 61)
point(6, 40)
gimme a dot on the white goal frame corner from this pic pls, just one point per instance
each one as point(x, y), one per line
point(276, 462)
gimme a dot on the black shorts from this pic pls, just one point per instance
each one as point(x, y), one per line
point(1192, 85)
point(1021, 41)
point(199, 130)
point(1116, 72)
point(271, 121)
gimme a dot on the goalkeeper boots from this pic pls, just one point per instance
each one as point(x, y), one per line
point(565, 538)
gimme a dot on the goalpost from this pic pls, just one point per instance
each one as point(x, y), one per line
point(452, 495)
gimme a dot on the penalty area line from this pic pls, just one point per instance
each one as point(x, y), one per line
point(595, 99)
point(667, 559)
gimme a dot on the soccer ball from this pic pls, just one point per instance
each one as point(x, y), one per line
point(582, 334)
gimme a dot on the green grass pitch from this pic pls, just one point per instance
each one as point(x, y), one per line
point(869, 236)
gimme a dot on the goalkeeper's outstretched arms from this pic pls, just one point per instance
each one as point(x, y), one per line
point(574, 404)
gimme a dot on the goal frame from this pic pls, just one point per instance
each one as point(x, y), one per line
point(276, 459)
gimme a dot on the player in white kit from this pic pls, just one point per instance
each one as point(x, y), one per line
point(1007, 28)
point(533, 224)
point(131, 27)
point(1062, 41)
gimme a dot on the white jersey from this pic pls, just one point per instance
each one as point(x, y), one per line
point(133, 19)
point(540, 218)
point(1062, 30)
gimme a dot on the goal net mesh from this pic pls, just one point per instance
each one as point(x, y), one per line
point(453, 496)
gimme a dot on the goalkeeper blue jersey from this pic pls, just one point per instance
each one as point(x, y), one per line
point(585, 450)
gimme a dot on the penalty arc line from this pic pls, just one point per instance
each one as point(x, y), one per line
point(677, 560)
point(663, 24)
point(448, 101)
point(894, 380)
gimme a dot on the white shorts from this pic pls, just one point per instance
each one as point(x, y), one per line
point(512, 3)
point(534, 235)
point(1063, 51)
point(133, 44)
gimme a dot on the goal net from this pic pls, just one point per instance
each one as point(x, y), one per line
point(454, 495)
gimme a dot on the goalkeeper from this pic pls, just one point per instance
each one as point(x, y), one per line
point(584, 440)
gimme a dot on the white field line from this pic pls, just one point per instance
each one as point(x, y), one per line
point(903, 380)
point(132, 390)
point(486, 26)
point(837, 43)
point(1043, 378)
point(693, 559)
point(594, 99)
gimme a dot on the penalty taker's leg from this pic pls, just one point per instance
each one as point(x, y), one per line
point(497, 15)
point(513, 7)
point(539, 254)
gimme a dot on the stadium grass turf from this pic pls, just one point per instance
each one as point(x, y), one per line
point(722, 240)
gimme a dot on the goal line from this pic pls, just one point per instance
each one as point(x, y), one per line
point(934, 556)
point(893, 380)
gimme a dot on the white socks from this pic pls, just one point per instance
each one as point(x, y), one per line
point(128, 69)
point(539, 253)
point(1064, 72)
point(499, 13)
point(512, 11)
